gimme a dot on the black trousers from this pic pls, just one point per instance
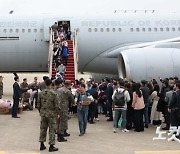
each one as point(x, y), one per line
point(130, 117)
point(65, 60)
point(92, 111)
point(109, 108)
point(15, 107)
point(36, 99)
point(138, 120)
point(174, 120)
point(167, 117)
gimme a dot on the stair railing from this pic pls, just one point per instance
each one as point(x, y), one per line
point(75, 53)
point(50, 58)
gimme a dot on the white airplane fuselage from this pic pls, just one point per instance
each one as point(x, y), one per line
point(24, 40)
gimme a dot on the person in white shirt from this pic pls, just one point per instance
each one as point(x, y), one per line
point(61, 70)
point(120, 98)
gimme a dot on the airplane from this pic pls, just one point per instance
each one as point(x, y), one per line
point(135, 45)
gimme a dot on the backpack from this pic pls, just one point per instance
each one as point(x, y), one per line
point(119, 98)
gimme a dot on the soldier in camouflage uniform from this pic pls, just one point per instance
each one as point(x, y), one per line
point(1, 87)
point(49, 108)
point(25, 100)
point(58, 84)
point(42, 85)
point(24, 86)
point(65, 96)
point(34, 95)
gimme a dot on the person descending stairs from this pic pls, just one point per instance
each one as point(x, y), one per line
point(65, 50)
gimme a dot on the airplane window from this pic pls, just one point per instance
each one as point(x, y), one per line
point(179, 29)
point(155, 29)
point(120, 29)
point(143, 29)
point(107, 30)
point(17, 30)
point(173, 29)
point(137, 29)
point(95, 29)
point(23, 30)
point(102, 30)
point(29, 30)
point(5, 30)
point(41, 30)
point(161, 29)
point(35, 30)
point(114, 29)
point(89, 30)
point(167, 29)
point(149, 29)
point(132, 29)
point(11, 30)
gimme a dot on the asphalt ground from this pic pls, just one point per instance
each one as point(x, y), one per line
point(21, 135)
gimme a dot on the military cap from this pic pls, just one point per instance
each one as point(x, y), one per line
point(67, 82)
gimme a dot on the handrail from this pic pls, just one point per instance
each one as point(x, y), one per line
point(75, 53)
point(50, 58)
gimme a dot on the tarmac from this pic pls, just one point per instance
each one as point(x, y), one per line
point(21, 135)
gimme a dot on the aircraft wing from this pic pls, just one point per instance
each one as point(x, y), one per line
point(169, 43)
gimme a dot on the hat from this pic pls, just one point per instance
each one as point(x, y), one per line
point(67, 82)
point(35, 78)
point(165, 82)
point(88, 80)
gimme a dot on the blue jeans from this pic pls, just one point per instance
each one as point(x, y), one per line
point(82, 119)
point(117, 115)
point(146, 116)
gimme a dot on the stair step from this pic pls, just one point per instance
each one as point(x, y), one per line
point(70, 75)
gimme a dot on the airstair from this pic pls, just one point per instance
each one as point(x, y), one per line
point(72, 64)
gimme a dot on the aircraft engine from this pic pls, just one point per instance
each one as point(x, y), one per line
point(147, 63)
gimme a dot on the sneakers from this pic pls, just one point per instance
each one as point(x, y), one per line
point(97, 119)
point(125, 130)
point(114, 130)
point(81, 134)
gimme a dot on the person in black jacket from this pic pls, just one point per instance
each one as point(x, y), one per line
point(162, 105)
point(16, 97)
point(109, 93)
point(93, 105)
point(174, 105)
point(145, 91)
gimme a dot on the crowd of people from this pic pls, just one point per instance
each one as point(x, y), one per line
point(135, 105)
point(128, 104)
point(61, 33)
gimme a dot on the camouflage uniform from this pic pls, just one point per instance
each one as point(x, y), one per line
point(24, 87)
point(48, 105)
point(42, 86)
point(34, 86)
point(1, 89)
point(25, 100)
point(65, 96)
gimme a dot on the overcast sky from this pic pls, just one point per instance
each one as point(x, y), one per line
point(85, 7)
